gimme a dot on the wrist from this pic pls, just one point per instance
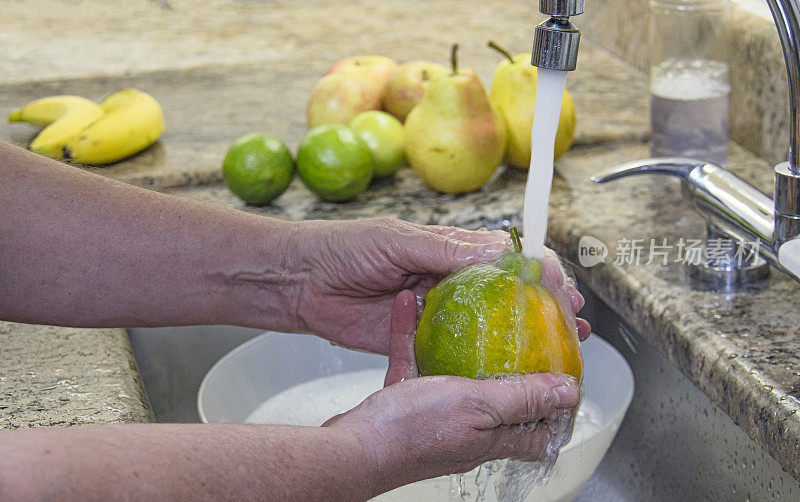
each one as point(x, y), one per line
point(256, 279)
point(383, 458)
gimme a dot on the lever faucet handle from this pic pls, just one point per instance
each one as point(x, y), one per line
point(667, 166)
point(732, 209)
point(561, 8)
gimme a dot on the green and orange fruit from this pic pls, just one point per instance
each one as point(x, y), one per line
point(493, 319)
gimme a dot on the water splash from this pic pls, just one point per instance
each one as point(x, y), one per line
point(513, 480)
point(547, 110)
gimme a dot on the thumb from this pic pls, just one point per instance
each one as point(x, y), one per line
point(432, 253)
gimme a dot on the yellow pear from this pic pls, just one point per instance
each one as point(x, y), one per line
point(454, 138)
point(513, 93)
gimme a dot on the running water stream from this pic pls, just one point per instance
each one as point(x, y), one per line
point(517, 478)
point(547, 110)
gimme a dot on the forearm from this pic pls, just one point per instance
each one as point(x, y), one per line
point(78, 249)
point(186, 462)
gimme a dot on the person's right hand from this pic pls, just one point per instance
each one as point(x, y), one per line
point(424, 427)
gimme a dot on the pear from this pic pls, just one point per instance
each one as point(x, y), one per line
point(454, 138)
point(513, 93)
point(407, 84)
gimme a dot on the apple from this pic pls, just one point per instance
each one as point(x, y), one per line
point(407, 84)
point(373, 71)
point(336, 99)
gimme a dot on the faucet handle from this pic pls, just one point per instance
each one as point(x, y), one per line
point(734, 212)
point(667, 166)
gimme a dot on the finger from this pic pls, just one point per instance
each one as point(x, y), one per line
point(519, 399)
point(576, 300)
point(402, 364)
point(584, 328)
point(473, 236)
point(421, 289)
point(431, 253)
point(552, 273)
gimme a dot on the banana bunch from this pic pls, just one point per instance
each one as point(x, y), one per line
point(82, 131)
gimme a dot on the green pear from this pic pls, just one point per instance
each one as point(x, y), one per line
point(454, 138)
point(513, 94)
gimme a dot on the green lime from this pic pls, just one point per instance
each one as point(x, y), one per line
point(383, 134)
point(258, 168)
point(334, 163)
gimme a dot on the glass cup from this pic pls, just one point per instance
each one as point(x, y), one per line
point(689, 86)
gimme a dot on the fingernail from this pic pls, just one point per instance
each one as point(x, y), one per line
point(567, 394)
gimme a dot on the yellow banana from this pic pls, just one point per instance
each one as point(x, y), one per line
point(132, 121)
point(61, 116)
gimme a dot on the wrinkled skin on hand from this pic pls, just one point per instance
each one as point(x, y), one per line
point(424, 427)
point(349, 273)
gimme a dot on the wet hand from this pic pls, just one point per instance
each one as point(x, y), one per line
point(351, 272)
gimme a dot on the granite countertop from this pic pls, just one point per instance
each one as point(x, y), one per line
point(740, 348)
point(52, 375)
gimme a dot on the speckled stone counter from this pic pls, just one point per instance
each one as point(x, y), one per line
point(66, 376)
point(742, 349)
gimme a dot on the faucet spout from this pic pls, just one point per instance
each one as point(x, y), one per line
point(786, 14)
point(555, 41)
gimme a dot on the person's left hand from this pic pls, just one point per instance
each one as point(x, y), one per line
point(351, 271)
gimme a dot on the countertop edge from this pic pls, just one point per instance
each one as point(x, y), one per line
point(90, 377)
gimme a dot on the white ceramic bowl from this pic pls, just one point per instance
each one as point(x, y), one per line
point(268, 364)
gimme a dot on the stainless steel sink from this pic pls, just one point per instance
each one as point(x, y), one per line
point(173, 362)
point(675, 444)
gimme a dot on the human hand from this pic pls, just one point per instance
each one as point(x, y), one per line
point(430, 426)
point(351, 272)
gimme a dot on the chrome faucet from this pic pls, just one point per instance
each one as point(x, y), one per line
point(732, 208)
point(555, 41)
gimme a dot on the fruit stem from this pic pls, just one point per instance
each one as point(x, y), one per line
point(515, 239)
point(502, 51)
point(454, 58)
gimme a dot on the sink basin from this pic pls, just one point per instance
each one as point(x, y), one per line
point(674, 443)
point(274, 362)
